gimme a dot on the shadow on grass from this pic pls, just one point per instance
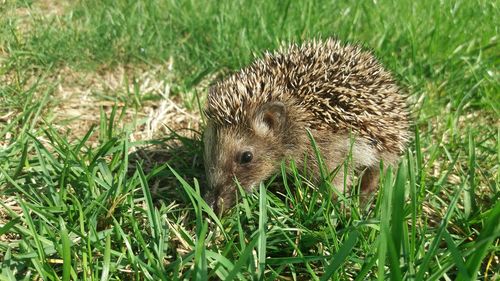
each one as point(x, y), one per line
point(182, 154)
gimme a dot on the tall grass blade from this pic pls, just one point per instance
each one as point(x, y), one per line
point(198, 198)
point(437, 238)
point(200, 259)
point(341, 256)
point(456, 255)
point(385, 214)
point(66, 251)
point(150, 212)
point(261, 245)
point(397, 222)
point(106, 258)
point(243, 257)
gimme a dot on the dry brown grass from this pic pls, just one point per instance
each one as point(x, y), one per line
point(81, 97)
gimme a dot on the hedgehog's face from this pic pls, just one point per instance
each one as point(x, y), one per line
point(243, 153)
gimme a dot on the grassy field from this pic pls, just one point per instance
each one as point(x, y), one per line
point(101, 160)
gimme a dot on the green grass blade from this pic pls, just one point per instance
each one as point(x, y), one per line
point(106, 259)
point(437, 238)
point(198, 198)
point(9, 225)
point(33, 231)
point(243, 257)
point(66, 251)
point(385, 213)
point(490, 232)
point(261, 245)
point(397, 221)
point(414, 210)
point(227, 266)
point(6, 273)
point(469, 195)
point(340, 257)
point(200, 259)
point(150, 211)
point(318, 155)
point(456, 255)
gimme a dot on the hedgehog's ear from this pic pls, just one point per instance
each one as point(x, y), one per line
point(270, 117)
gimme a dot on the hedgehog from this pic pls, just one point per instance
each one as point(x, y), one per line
point(265, 114)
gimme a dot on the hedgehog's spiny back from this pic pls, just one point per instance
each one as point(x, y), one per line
point(340, 88)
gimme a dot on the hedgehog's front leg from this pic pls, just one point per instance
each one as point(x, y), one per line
point(369, 180)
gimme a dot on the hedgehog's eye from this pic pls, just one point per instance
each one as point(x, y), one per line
point(246, 157)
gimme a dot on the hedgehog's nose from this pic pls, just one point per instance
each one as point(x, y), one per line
point(218, 205)
point(215, 207)
point(211, 199)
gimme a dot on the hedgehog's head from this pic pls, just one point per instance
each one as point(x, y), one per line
point(245, 152)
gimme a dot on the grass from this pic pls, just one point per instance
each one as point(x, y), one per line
point(100, 179)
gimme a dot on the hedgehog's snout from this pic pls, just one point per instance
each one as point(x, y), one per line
point(211, 200)
point(219, 202)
